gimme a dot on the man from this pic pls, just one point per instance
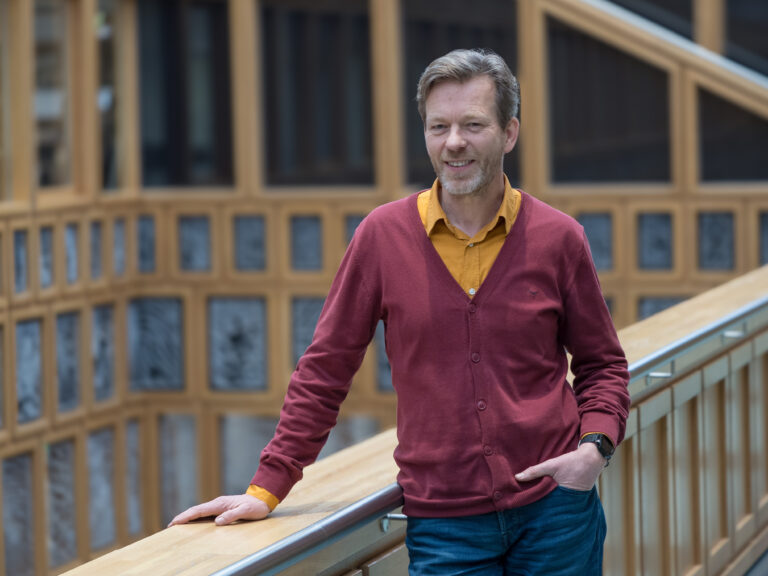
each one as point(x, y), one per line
point(482, 289)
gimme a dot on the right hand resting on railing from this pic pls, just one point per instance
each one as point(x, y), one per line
point(226, 509)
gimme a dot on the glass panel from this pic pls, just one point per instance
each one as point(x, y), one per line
point(763, 238)
point(18, 516)
point(317, 79)
point(237, 343)
point(304, 315)
point(654, 241)
point(29, 370)
point(178, 465)
point(146, 244)
point(733, 141)
point(118, 247)
point(155, 344)
point(103, 352)
point(71, 252)
point(434, 28)
point(5, 127)
point(609, 112)
point(133, 477)
point(20, 261)
point(62, 515)
point(716, 238)
point(746, 42)
point(194, 243)
point(250, 250)
point(101, 495)
point(185, 99)
point(96, 255)
point(107, 29)
point(68, 360)
point(349, 431)
point(52, 93)
point(599, 229)
point(351, 223)
point(46, 257)
point(383, 369)
point(649, 306)
point(242, 439)
point(677, 15)
point(306, 243)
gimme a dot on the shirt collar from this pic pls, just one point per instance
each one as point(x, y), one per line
point(507, 210)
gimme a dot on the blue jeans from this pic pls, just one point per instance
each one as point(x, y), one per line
point(562, 534)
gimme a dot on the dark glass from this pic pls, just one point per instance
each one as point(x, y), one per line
point(432, 29)
point(185, 93)
point(107, 30)
point(317, 91)
point(716, 241)
point(598, 227)
point(242, 437)
point(654, 241)
point(133, 481)
point(103, 352)
point(177, 464)
point(351, 223)
point(652, 305)
point(155, 344)
point(609, 112)
point(29, 370)
point(304, 315)
point(746, 38)
point(118, 247)
point(72, 252)
point(46, 257)
point(250, 249)
point(763, 238)
point(20, 261)
point(52, 93)
point(677, 15)
point(733, 141)
point(68, 360)
point(62, 517)
point(383, 369)
point(194, 243)
point(146, 243)
point(18, 516)
point(96, 253)
point(237, 343)
point(306, 243)
point(101, 488)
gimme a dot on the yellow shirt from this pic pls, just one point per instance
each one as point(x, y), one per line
point(468, 259)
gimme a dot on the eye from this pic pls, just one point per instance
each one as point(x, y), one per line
point(437, 127)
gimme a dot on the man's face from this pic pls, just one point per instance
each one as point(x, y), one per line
point(464, 140)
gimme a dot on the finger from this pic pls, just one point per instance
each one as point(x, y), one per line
point(240, 513)
point(195, 512)
point(545, 468)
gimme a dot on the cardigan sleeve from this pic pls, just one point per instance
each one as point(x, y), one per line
point(598, 362)
point(324, 373)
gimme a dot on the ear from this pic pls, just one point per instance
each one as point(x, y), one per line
point(511, 132)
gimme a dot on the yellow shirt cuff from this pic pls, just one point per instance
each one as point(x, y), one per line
point(264, 495)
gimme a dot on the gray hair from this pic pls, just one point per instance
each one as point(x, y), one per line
point(463, 65)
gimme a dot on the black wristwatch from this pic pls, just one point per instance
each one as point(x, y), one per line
point(603, 443)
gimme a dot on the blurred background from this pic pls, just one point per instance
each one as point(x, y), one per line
point(179, 180)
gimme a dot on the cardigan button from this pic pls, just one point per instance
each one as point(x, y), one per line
point(472, 308)
point(487, 450)
point(475, 357)
point(481, 405)
point(497, 495)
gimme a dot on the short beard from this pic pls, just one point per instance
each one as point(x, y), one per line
point(474, 186)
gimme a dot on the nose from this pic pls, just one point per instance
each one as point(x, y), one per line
point(455, 139)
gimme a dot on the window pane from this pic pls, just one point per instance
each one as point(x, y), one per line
point(677, 15)
point(133, 477)
point(62, 519)
point(46, 257)
point(306, 243)
point(242, 438)
point(52, 93)
point(237, 341)
point(146, 243)
point(351, 223)
point(5, 128)
point(317, 79)
point(716, 241)
point(155, 344)
point(383, 369)
point(434, 28)
point(29, 370)
point(18, 516)
point(96, 242)
point(186, 132)
point(118, 247)
point(194, 243)
point(178, 464)
point(746, 40)
point(107, 28)
point(609, 112)
point(763, 238)
point(733, 141)
point(101, 495)
point(654, 241)
point(250, 251)
point(649, 306)
point(68, 360)
point(599, 230)
point(304, 315)
point(72, 251)
point(103, 352)
point(20, 261)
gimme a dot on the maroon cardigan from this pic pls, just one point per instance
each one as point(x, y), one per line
point(481, 382)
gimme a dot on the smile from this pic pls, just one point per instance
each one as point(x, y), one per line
point(459, 164)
